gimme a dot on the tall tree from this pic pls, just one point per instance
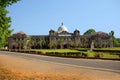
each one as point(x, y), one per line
point(112, 33)
point(90, 31)
point(41, 42)
point(61, 43)
point(52, 44)
point(21, 43)
point(113, 38)
point(5, 21)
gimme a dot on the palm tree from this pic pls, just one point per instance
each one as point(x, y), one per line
point(61, 42)
point(41, 42)
point(30, 42)
point(20, 43)
point(44, 42)
point(54, 44)
point(112, 38)
point(80, 44)
point(85, 42)
point(76, 44)
point(51, 44)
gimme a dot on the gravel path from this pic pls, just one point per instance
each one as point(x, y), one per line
point(39, 70)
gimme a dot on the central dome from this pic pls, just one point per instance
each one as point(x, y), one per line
point(62, 28)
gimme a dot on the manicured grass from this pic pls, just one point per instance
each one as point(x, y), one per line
point(79, 52)
point(114, 48)
point(57, 50)
point(102, 55)
point(81, 49)
point(90, 54)
point(108, 50)
point(110, 56)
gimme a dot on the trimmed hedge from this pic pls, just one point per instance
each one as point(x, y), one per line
point(81, 49)
point(78, 54)
point(110, 51)
point(106, 50)
point(4, 49)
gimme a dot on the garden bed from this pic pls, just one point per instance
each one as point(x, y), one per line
point(72, 53)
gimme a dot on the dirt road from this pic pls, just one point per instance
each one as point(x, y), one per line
point(16, 68)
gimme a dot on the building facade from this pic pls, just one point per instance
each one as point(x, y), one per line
point(60, 39)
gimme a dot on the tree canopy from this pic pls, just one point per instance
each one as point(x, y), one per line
point(116, 41)
point(5, 21)
point(6, 3)
point(90, 31)
point(112, 33)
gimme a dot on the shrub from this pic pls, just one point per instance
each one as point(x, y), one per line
point(97, 55)
point(107, 50)
point(80, 49)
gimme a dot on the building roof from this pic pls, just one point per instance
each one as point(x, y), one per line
point(100, 33)
point(62, 28)
point(20, 32)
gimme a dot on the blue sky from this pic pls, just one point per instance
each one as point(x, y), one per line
point(37, 17)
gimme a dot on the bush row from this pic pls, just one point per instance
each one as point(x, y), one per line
point(82, 54)
point(4, 49)
point(81, 49)
point(78, 54)
point(26, 51)
point(105, 50)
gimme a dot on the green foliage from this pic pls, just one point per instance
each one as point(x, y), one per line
point(110, 56)
point(90, 54)
point(30, 42)
point(97, 55)
point(112, 33)
point(81, 49)
point(61, 42)
point(116, 42)
point(41, 42)
point(5, 21)
point(52, 44)
point(5, 3)
point(107, 50)
point(57, 50)
point(90, 31)
point(4, 26)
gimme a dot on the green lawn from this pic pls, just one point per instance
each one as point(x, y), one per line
point(56, 50)
point(110, 56)
point(88, 53)
point(103, 55)
point(115, 48)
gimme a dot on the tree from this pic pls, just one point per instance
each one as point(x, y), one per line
point(89, 32)
point(41, 42)
point(85, 42)
point(76, 45)
point(52, 44)
point(30, 43)
point(21, 43)
point(61, 43)
point(5, 21)
point(114, 39)
point(112, 33)
point(70, 44)
point(6, 3)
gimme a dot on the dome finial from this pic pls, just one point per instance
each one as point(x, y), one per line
point(62, 23)
point(62, 28)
